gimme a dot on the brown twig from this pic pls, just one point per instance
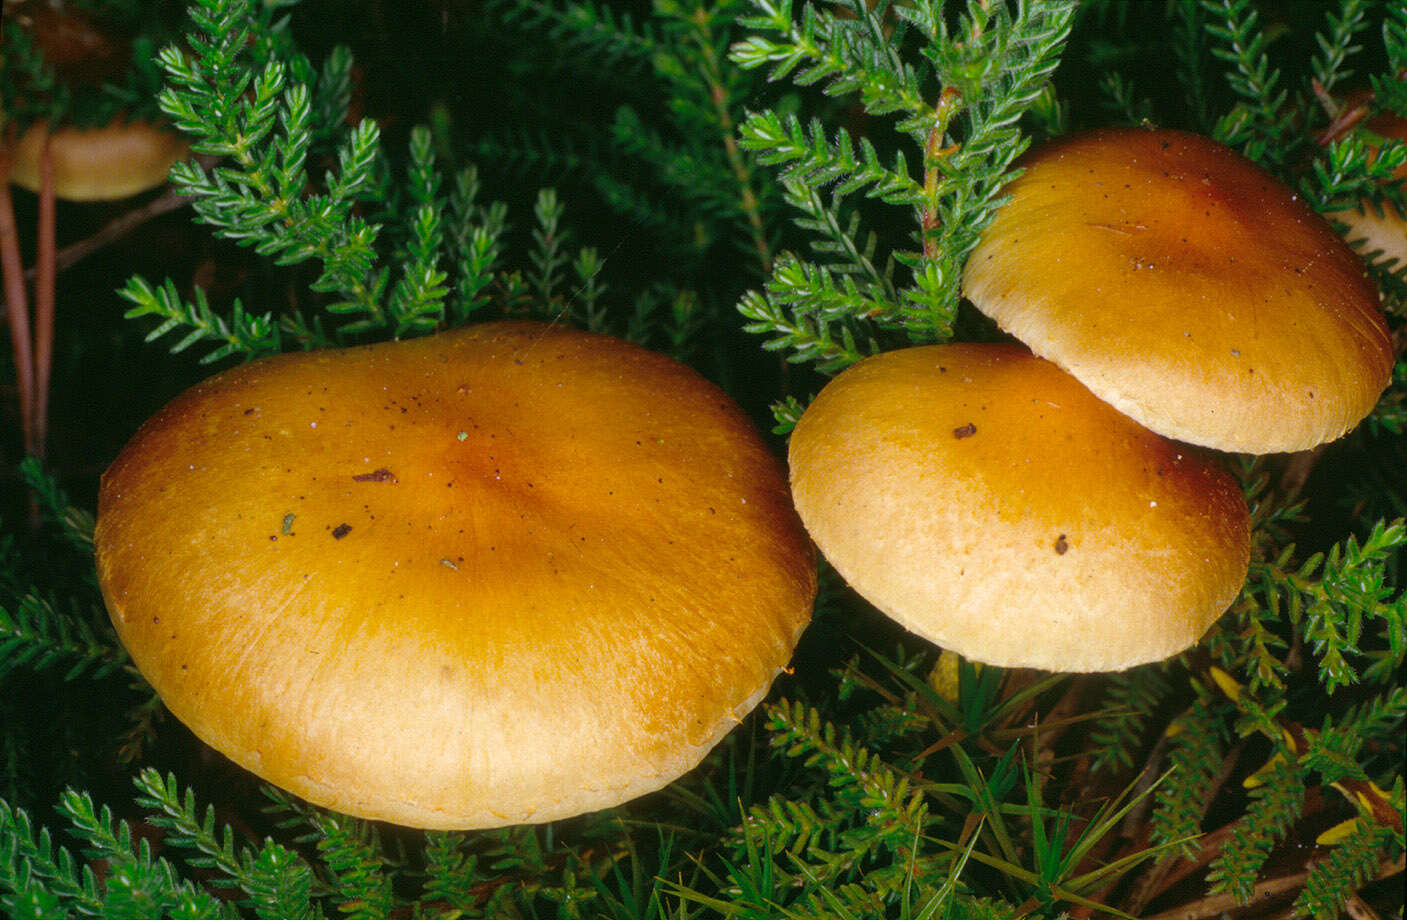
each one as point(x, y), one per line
point(1297, 470)
point(44, 273)
point(1358, 909)
point(1216, 904)
point(1137, 818)
point(16, 300)
point(1264, 891)
point(1342, 118)
point(1209, 847)
point(1061, 717)
point(712, 72)
point(45, 279)
point(114, 230)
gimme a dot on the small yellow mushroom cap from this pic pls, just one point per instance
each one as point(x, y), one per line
point(1187, 288)
point(987, 501)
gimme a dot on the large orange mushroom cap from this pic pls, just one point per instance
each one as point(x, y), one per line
point(1186, 287)
point(505, 574)
point(105, 163)
point(988, 502)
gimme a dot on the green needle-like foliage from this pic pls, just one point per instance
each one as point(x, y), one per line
point(1195, 757)
point(954, 110)
point(1350, 614)
point(276, 880)
point(655, 172)
point(772, 190)
point(247, 100)
point(1350, 864)
point(36, 635)
point(1276, 804)
point(137, 883)
point(1339, 44)
point(1260, 123)
point(34, 90)
point(36, 875)
point(242, 333)
point(1131, 699)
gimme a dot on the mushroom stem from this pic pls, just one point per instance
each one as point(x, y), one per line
point(16, 301)
point(44, 284)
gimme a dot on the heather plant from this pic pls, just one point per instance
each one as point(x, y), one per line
point(770, 190)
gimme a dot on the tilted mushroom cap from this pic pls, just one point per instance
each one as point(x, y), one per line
point(500, 575)
point(98, 164)
point(1187, 288)
point(1373, 228)
point(987, 501)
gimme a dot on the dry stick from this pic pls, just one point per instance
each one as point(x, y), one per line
point(1220, 903)
point(1137, 818)
point(1342, 122)
point(742, 173)
point(44, 274)
point(1064, 709)
point(1264, 891)
point(1358, 909)
point(44, 283)
point(16, 301)
point(1209, 847)
point(113, 230)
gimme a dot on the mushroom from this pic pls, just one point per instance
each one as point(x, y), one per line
point(1187, 288)
point(1379, 227)
point(990, 503)
point(504, 574)
point(1376, 227)
point(105, 163)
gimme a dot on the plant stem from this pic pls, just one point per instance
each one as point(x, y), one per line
point(934, 153)
point(1217, 904)
point(1358, 909)
point(114, 230)
point(718, 95)
point(44, 283)
point(16, 301)
point(1264, 891)
point(1341, 119)
point(1062, 716)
